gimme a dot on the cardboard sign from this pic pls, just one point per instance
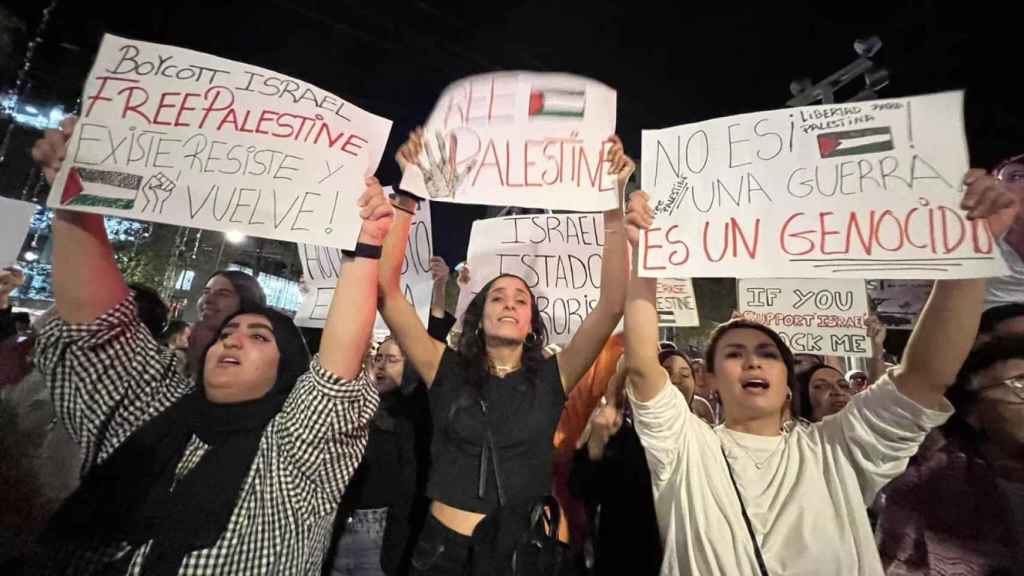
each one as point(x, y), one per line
point(180, 137)
point(676, 303)
point(557, 255)
point(519, 139)
point(862, 190)
point(321, 268)
point(15, 220)
point(824, 317)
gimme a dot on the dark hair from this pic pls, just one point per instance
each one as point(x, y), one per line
point(21, 318)
point(743, 323)
point(174, 327)
point(803, 391)
point(250, 293)
point(963, 398)
point(664, 355)
point(996, 315)
point(472, 347)
point(151, 308)
point(293, 355)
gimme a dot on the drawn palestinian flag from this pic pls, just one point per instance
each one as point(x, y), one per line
point(851, 142)
point(100, 188)
point(557, 103)
point(666, 318)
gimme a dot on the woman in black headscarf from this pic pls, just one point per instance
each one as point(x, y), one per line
point(237, 472)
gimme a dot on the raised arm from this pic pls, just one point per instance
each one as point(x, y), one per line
point(420, 349)
point(86, 280)
point(439, 270)
point(948, 324)
point(577, 356)
point(350, 319)
point(876, 332)
point(642, 368)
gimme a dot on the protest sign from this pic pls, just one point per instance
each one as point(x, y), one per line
point(676, 303)
point(898, 303)
point(857, 190)
point(823, 317)
point(557, 255)
point(321, 267)
point(15, 220)
point(180, 137)
point(519, 139)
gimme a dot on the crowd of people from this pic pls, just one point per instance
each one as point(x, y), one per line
point(131, 443)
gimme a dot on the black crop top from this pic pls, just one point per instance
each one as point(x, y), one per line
point(522, 421)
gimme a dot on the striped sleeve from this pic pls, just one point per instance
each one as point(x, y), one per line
point(324, 426)
point(107, 377)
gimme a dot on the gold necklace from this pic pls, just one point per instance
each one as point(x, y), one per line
point(757, 465)
point(502, 371)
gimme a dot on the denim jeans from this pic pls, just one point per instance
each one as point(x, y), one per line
point(358, 551)
point(440, 551)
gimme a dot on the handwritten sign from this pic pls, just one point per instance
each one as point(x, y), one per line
point(558, 256)
point(676, 303)
point(898, 303)
point(321, 268)
point(176, 136)
point(15, 220)
point(823, 317)
point(862, 190)
point(519, 139)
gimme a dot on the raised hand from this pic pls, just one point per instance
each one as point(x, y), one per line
point(876, 331)
point(376, 212)
point(622, 166)
point(49, 151)
point(639, 216)
point(439, 270)
point(991, 199)
point(464, 276)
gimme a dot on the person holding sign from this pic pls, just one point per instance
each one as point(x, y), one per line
point(237, 472)
point(751, 497)
point(496, 400)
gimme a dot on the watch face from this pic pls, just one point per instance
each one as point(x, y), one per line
point(1011, 170)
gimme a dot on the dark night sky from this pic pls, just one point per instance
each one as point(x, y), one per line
point(670, 63)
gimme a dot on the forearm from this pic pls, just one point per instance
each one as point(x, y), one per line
point(350, 319)
point(393, 254)
point(641, 336)
point(614, 264)
point(437, 298)
point(876, 364)
point(942, 338)
point(86, 280)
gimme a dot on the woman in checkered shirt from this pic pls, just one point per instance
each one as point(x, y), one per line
point(237, 472)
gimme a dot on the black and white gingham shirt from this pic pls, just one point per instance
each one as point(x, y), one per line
point(110, 376)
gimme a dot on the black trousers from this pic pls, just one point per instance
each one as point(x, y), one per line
point(440, 551)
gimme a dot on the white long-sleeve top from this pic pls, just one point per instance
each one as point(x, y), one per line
point(808, 500)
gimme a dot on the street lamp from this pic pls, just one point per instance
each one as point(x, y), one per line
point(233, 236)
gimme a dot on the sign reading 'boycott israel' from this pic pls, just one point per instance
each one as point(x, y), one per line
point(519, 139)
point(860, 190)
point(176, 136)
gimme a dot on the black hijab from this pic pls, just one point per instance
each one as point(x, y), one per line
point(128, 498)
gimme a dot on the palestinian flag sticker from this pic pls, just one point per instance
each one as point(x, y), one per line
point(100, 188)
point(557, 103)
point(852, 142)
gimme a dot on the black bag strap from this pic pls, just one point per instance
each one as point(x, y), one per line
point(489, 449)
point(746, 518)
